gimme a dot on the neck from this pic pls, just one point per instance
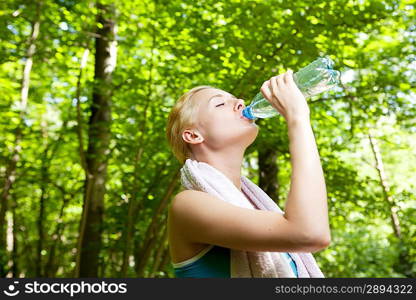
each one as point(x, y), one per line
point(229, 163)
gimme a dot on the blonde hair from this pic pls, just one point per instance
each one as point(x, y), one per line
point(181, 117)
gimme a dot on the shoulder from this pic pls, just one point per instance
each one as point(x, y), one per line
point(185, 197)
point(188, 193)
point(191, 205)
point(186, 208)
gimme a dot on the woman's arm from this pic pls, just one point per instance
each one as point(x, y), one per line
point(307, 200)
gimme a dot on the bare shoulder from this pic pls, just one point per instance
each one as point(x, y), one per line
point(187, 203)
point(186, 195)
point(183, 201)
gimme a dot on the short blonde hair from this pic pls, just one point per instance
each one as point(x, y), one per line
point(181, 117)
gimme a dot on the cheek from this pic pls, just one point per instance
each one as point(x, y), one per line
point(212, 119)
point(218, 126)
point(213, 128)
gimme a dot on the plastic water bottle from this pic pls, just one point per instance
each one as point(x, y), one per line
point(311, 80)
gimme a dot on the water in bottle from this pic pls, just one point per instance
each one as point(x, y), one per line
point(311, 80)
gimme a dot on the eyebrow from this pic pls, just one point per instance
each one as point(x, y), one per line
point(219, 95)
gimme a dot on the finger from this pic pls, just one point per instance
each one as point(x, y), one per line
point(265, 89)
point(287, 77)
point(276, 101)
point(280, 80)
point(279, 107)
point(274, 85)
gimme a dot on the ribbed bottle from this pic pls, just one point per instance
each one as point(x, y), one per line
point(315, 78)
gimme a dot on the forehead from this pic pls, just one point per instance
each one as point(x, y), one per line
point(206, 94)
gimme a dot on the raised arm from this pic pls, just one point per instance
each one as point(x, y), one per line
point(307, 200)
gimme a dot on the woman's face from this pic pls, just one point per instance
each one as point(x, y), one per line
point(220, 122)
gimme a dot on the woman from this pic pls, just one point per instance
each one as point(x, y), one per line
point(206, 125)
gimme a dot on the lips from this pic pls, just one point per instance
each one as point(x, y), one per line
point(246, 119)
point(241, 113)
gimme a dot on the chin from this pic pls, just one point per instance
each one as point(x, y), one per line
point(251, 134)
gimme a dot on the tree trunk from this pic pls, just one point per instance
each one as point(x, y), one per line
point(89, 242)
point(133, 210)
point(43, 197)
point(385, 186)
point(141, 254)
point(160, 250)
point(80, 122)
point(50, 267)
point(166, 260)
point(128, 228)
point(268, 171)
point(15, 155)
point(15, 255)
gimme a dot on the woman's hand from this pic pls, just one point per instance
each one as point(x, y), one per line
point(284, 95)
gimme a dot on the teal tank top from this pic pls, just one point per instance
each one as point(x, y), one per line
point(212, 262)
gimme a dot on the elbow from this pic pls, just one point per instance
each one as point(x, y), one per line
point(322, 241)
point(318, 242)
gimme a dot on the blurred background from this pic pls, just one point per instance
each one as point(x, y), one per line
point(86, 174)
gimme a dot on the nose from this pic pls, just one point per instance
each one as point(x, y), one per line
point(239, 105)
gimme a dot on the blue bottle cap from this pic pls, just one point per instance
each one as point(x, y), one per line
point(247, 113)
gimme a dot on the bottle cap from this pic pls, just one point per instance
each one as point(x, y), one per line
point(247, 113)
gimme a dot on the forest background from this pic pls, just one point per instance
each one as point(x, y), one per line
point(86, 174)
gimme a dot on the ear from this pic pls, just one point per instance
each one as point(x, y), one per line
point(192, 136)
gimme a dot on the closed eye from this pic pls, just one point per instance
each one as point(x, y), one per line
point(219, 104)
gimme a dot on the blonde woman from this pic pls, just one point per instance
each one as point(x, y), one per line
point(206, 125)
